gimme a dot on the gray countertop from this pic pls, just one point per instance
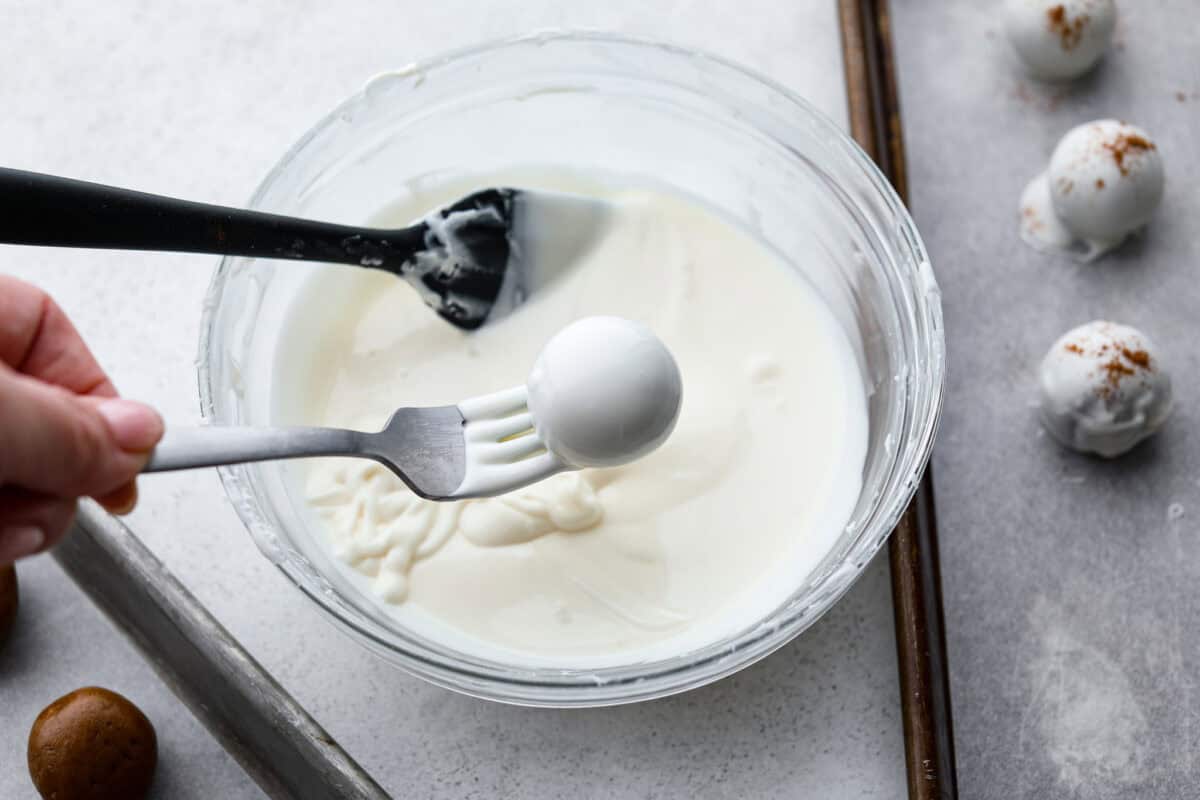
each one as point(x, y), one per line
point(1070, 583)
point(199, 100)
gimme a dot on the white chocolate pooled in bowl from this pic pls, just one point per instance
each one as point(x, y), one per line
point(699, 539)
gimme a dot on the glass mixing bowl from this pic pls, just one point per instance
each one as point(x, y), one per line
point(746, 145)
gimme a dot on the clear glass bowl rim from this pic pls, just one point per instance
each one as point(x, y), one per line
point(617, 685)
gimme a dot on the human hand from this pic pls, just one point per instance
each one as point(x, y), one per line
point(64, 433)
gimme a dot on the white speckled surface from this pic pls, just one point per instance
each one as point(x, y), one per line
point(198, 100)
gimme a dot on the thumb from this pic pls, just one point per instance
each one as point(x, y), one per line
point(58, 443)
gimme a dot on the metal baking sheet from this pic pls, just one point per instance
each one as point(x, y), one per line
point(62, 642)
point(275, 740)
point(1070, 582)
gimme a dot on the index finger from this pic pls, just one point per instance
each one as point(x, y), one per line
point(37, 339)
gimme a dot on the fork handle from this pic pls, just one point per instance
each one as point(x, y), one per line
point(187, 448)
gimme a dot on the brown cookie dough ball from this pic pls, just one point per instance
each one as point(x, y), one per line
point(8, 600)
point(92, 744)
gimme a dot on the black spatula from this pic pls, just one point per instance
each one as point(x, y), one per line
point(472, 261)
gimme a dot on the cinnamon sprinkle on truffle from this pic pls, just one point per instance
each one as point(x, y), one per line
point(1114, 370)
point(1069, 31)
point(1138, 357)
point(1125, 145)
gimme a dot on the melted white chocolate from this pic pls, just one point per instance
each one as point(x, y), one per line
point(702, 537)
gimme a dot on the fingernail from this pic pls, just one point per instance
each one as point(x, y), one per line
point(20, 541)
point(122, 501)
point(125, 507)
point(135, 427)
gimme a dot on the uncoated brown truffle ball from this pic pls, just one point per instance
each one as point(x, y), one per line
point(92, 744)
point(8, 601)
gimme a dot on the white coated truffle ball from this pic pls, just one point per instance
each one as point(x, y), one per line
point(1103, 389)
point(1106, 180)
point(1060, 40)
point(604, 391)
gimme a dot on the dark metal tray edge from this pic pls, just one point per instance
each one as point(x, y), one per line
point(875, 124)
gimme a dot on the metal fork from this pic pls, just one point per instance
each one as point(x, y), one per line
point(481, 447)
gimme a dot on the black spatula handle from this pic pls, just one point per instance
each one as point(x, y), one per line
point(42, 209)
